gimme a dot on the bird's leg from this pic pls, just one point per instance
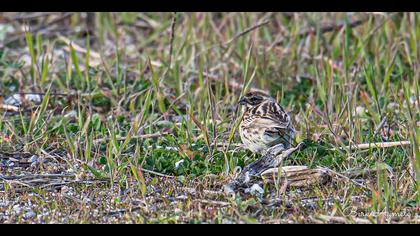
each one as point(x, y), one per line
point(270, 159)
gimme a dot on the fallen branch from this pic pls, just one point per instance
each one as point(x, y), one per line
point(377, 145)
point(295, 176)
point(271, 159)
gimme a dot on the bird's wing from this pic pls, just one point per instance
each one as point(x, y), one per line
point(274, 120)
point(272, 115)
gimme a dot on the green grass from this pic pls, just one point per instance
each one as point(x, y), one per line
point(338, 85)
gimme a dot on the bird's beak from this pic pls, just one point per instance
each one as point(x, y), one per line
point(242, 101)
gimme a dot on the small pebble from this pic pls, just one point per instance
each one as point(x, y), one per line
point(29, 214)
point(33, 160)
point(255, 189)
point(17, 209)
point(178, 163)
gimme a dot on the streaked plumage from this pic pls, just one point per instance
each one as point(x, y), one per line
point(264, 123)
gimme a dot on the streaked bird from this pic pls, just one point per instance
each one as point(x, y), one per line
point(265, 123)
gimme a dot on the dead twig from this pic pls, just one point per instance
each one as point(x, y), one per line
point(212, 202)
point(156, 173)
point(295, 176)
point(9, 108)
point(376, 145)
point(246, 31)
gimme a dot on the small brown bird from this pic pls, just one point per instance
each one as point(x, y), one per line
point(264, 123)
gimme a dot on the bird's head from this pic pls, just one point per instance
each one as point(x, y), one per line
point(252, 99)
